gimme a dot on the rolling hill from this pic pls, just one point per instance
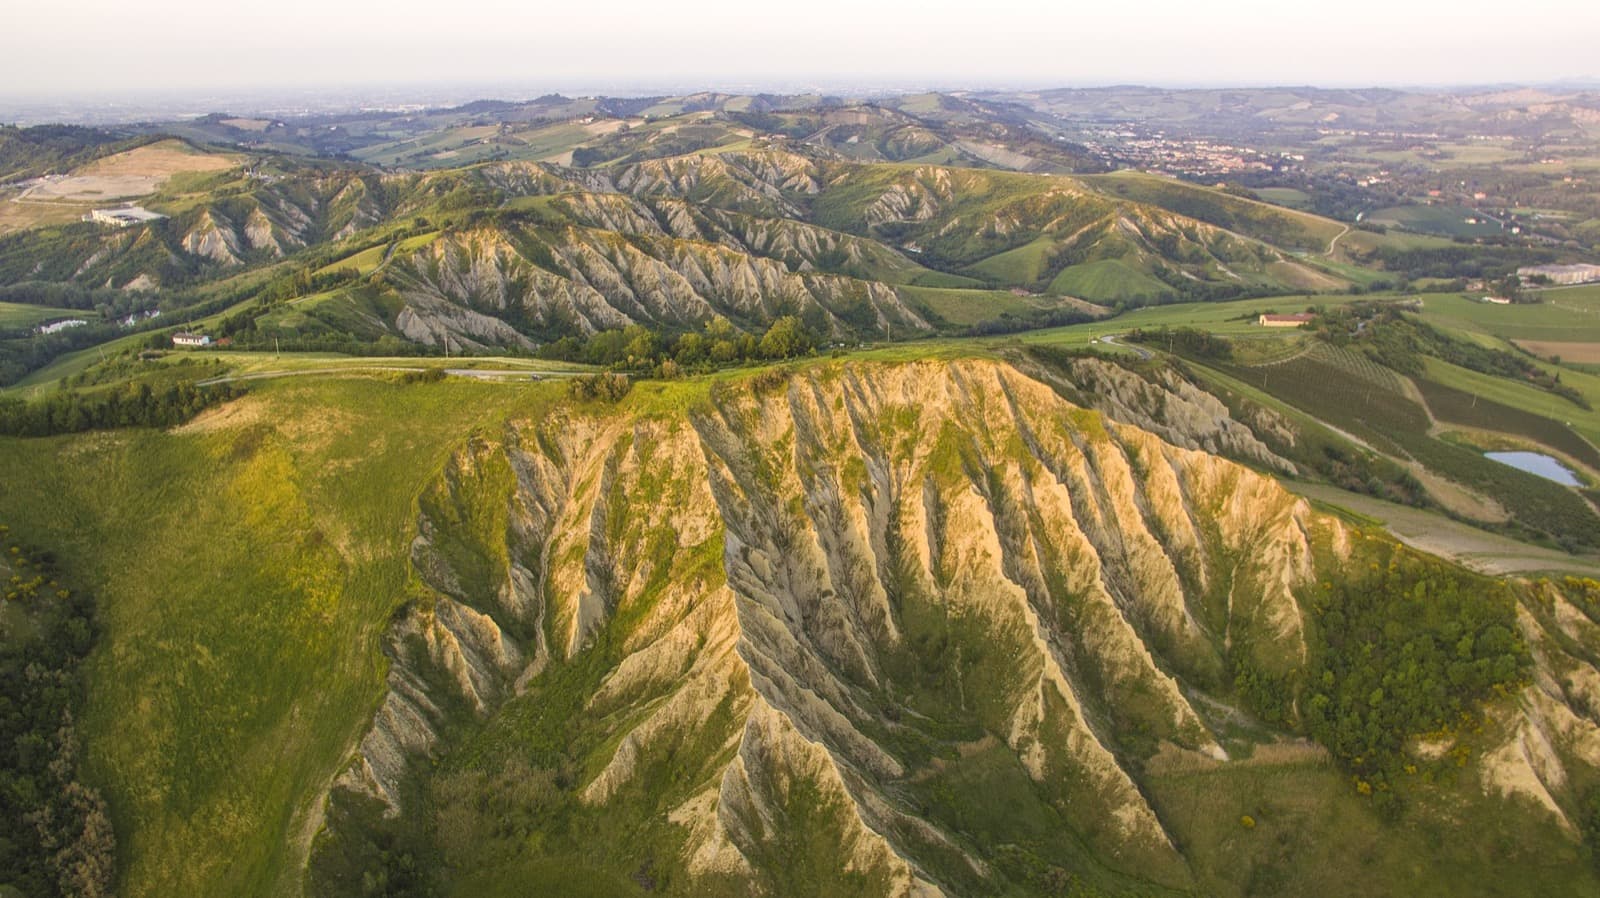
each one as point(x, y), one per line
point(523, 253)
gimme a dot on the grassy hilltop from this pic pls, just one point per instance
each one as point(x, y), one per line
point(244, 571)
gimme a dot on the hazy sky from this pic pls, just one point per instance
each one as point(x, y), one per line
point(108, 47)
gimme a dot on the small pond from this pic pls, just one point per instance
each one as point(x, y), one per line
point(1537, 463)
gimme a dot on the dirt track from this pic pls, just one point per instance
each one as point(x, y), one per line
point(1480, 550)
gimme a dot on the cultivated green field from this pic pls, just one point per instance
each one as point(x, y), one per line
point(961, 307)
point(17, 315)
point(1445, 221)
point(1285, 196)
point(1023, 265)
point(1523, 396)
point(1109, 281)
point(1239, 318)
point(1565, 314)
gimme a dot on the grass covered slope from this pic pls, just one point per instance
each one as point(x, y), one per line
point(245, 565)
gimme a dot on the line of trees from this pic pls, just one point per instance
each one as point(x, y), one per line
point(130, 405)
point(639, 349)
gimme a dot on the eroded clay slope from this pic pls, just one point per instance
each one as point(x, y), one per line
point(835, 586)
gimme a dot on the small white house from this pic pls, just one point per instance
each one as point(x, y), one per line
point(1295, 320)
point(188, 339)
point(1497, 300)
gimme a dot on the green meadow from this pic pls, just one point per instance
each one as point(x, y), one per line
point(244, 576)
point(17, 315)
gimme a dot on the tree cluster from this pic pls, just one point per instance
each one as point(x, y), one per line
point(44, 149)
point(608, 386)
point(1408, 647)
point(1457, 261)
point(55, 835)
point(1187, 341)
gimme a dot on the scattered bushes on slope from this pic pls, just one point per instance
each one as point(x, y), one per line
point(608, 386)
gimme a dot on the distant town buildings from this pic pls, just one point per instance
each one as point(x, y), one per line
point(1562, 275)
point(123, 217)
point(184, 338)
point(1294, 320)
point(57, 327)
point(1154, 151)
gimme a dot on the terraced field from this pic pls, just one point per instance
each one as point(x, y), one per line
point(1345, 389)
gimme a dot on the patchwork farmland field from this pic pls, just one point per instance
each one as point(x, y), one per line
point(1337, 386)
point(1576, 353)
point(1565, 315)
point(1344, 388)
point(1447, 221)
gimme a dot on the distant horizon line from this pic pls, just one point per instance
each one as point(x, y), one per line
point(587, 87)
point(124, 105)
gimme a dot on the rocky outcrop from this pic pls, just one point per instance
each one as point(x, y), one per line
point(1166, 404)
point(260, 233)
point(589, 280)
point(214, 238)
point(1551, 734)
